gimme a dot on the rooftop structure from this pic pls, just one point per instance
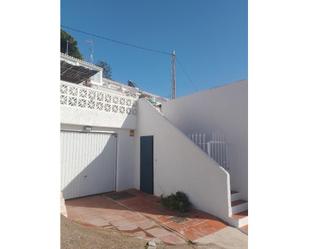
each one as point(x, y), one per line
point(77, 71)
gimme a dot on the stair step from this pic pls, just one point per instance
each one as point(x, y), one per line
point(238, 202)
point(240, 215)
point(239, 219)
point(239, 206)
point(235, 196)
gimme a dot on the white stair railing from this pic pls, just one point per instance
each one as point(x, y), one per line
point(214, 145)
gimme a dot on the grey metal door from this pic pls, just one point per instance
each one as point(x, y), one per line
point(88, 163)
point(146, 164)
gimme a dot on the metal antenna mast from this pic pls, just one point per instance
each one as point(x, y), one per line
point(67, 48)
point(91, 45)
point(173, 74)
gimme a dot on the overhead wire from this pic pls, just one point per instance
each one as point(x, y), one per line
point(186, 74)
point(117, 41)
point(134, 46)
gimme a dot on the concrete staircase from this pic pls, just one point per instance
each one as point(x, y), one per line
point(239, 216)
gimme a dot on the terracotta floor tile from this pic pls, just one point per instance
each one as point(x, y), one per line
point(142, 215)
point(155, 217)
point(206, 228)
point(191, 235)
point(145, 224)
point(120, 222)
point(100, 222)
point(112, 220)
point(196, 234)
point(193, 222)
point(136, 219)
point(164, 219)
point(172, 239)
point(128, 227)
point(142, 235)
point(158, 232)
point(175, 226)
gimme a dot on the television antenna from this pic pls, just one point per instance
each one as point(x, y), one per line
point(174, 74)
point(91, 50)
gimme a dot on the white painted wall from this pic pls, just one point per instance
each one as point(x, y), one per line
point(125, 154)
point(79, 116)
point(179, 165)
point(126, 163)
point(224, 108)
point(76, 100)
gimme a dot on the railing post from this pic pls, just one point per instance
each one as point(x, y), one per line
point(217, 147)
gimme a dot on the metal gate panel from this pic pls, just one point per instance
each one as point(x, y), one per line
point(88, 163)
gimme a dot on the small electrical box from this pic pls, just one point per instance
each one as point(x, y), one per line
point(131, 133)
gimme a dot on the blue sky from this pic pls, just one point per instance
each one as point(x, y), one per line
point(209, 36)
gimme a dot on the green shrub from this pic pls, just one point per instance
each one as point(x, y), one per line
point(179, 202)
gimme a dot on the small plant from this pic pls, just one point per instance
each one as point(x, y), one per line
point(179, 202)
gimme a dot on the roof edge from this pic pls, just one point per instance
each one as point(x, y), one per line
point(85, 63)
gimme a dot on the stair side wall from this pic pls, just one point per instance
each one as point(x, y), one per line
point(225, 109)
point(179, 165)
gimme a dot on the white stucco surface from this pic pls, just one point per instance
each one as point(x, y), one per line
point(224, 108)
point(81, 105)
point(125, 155)
point(78, 116)
point(179, 165)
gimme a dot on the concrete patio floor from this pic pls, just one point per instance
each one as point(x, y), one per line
point(141, 215)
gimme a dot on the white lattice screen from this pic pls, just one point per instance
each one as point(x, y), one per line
point(92, 99)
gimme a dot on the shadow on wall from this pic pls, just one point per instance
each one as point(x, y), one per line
point(90, 168)
point(88, 165)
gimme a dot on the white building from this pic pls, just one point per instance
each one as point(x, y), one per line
point(115, 137)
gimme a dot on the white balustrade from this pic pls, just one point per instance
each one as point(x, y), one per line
point(93, 99)
point(214, 145)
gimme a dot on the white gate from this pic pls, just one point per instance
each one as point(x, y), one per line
point(88, 163)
